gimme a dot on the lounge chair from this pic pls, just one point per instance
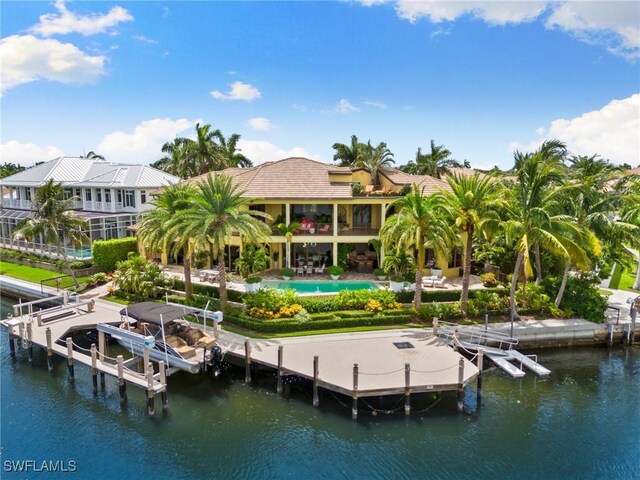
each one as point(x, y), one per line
point(300, 271)
point(440, 282)
point(428, 281)
point(368, 189)
point(319, 269)
point(325, 228)
point(309, 269)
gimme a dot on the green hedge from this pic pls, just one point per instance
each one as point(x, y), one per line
point(106, 253)
point(209, 291)
point(9, 254)
point(446, 295)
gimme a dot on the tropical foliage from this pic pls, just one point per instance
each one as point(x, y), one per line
point(140, 277)
point(435, 163)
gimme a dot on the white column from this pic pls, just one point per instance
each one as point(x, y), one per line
point(335, 219)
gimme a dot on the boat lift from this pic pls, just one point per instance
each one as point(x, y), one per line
point(498, 347)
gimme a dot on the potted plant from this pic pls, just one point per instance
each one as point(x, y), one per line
point(252, 284)
point(380, 273)
point(410, 281)
point(335, 271)
point(287, 273)
point(396, 283)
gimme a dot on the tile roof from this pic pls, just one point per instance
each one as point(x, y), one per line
point(427, 182)
point(90, 172)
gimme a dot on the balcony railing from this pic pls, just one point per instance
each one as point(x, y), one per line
point(358, 231)
point(10, 203)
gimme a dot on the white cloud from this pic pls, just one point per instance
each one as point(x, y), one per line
point(143, 39)
point(492, 12)
point(65, 21)
point(260, 123)
point(144, 144)
point(25, 59)
point(239, 91)
point(259, 151)
point(616, 25)
point(344, 106)
point(27, 154)
point(611, 132)
point(377, 104)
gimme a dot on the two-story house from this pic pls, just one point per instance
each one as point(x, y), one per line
point(333, 215)
point(109, 196)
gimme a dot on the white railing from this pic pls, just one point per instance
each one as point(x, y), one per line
point(9, 203)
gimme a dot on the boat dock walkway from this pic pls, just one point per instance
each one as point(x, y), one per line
point(49, 323)
point(399, 362)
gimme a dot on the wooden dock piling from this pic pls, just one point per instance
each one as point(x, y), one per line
point(354, 406)
point(70, 359)
point(30, 342)
point(49, 349)
point(247, 361)
point(122, 385)
point(22, 337)
point(316, 398)
point(94, 367)
point(102, 353)
point(279, 372)
point(461, 385)
point(163, 381)
point(479, 381)
point(610, 334)
point(12, 346)
point(407, 388)
point(150, 394)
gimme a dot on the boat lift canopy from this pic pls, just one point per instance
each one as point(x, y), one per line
point(150, 312)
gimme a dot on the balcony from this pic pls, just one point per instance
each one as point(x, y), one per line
point(11, 203)
point(357, 230)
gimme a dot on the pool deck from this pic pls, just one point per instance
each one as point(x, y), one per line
point(433, 365)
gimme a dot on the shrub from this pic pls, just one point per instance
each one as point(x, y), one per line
point(287, 272)
point(489, 279)
point(356, 189)
point(106, 253)
point(581, 297)
point(268, 302)
point(209, 290)
point(319, 305)
point(358, 299)
point(252, 280)
point(140, 277)
point(373, 306)
point(100, 277)
point(444, 311)
point(335, 270)
point(378, 272)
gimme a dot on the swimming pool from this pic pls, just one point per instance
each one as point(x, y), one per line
point(321, 286)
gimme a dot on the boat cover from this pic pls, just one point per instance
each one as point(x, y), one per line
point(150, 312)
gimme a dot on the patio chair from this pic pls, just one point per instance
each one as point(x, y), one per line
point(440, 282)
point(368, 189)
point(325, 228)
point(319, 269)
point(309, 269)
point(428, 281)
point(300, 271)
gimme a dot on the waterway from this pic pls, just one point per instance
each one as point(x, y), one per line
point(581, 423)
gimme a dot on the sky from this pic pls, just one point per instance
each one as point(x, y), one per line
point(293, 78)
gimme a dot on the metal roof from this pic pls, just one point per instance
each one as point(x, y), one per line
point(151, 312)
point(89, 172)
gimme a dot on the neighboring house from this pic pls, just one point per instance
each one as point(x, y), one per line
point(319, 196)
point(109, 196)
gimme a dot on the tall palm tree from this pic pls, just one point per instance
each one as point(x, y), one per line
point(435, 163)
point(52, 218)
point(288, 231)
point(203, 151)
point(348, 155)
point(421, 222)
point(93, 155)
point(228, 152)
point(533, 218)
point(220, 210)
point(373, 159)
point(176, 160)
point(630, 210)
point(474, 202)
point(157, 234)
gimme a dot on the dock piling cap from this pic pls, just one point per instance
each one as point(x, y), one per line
point(149, 342)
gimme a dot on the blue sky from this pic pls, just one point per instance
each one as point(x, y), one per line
point(482, 78)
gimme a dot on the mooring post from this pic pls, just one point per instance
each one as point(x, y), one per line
point(354, 407)
point(49, 349)
point(22, 336)
point(70, 358)
point(479, 384)
point(122, 385)
point(455, 340)
point(94, 367)
point(279, 386)
point(29, 342)
point(102, 353)
point(407, 388)
point(145, 357)
point(150, 392)
point(316, 398)
point(435, 326)
point(627, 333)
point(609, 334)
point(12, 346)
point(247, 361)
point(461, 384)
point(163, 381)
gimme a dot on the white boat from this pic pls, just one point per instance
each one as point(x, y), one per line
point(162, 330)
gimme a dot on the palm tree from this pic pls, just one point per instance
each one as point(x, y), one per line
point(420, 222)
point(156, 232)
point(52, 217)
point(435, 163)
point(203, 151)
point(176, 160)
point(533, 218)
point(373, 159)
point(288, 231)
point(93, 155)
point(219, 210)
point(631, 214)
point(228, 152)
point(474, 201)
point(348, 155)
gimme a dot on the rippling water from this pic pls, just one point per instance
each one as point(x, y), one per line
point(583, 422)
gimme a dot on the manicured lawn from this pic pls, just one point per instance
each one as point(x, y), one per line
point(36, 275)
point(627, 279)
